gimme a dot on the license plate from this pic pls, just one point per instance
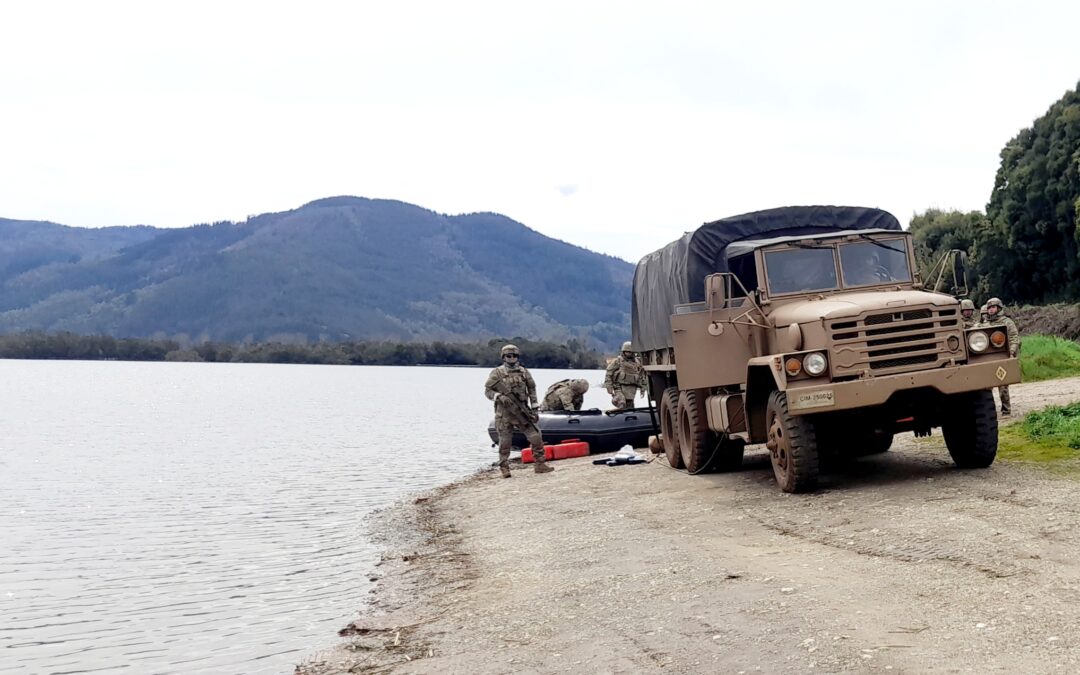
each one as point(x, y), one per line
point(818, 398)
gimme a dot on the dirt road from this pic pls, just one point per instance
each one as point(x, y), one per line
point(900, 563)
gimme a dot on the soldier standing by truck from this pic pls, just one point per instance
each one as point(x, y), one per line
point(967, 313)
point(995, 313)
point(512, 388)
point(624, 377)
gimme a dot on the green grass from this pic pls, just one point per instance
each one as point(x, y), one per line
point(1050, 436)
point(1043, 357)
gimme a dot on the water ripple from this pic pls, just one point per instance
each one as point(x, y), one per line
point(208, 518)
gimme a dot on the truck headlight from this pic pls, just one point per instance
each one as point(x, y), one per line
point(977, 341)
point(815, 363)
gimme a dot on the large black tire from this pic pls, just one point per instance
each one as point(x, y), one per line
point(669, 425)
point(792, 446)
point(696, 440)
point(971, 429)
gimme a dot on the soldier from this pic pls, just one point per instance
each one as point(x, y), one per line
point(565, 395)
point(983, 317)
point(995, 312)
point(513, 390)
point(624, 378)
point(967, 313)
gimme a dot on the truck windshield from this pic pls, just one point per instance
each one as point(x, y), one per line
point(800, 270)
point(875, 262)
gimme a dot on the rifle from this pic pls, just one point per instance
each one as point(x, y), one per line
point(529, 413)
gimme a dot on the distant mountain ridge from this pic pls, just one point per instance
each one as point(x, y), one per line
point(341, 268)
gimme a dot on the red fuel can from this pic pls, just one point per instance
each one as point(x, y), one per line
point(527, 455)
point(564, 450)
point(567, 449)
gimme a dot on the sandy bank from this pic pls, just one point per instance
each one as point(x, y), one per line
point(900, 563)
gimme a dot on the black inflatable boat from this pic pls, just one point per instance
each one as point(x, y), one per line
point(603, 431)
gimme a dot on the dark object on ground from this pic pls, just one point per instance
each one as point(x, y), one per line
point(603, 431)
point(619, 460)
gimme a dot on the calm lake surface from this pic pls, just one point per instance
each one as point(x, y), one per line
point(209, 518)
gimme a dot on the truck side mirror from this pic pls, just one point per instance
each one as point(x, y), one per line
point(715, 291)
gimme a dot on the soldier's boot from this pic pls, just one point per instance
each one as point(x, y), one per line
point(1006, 402)
point(542, 467)
point(505, 471)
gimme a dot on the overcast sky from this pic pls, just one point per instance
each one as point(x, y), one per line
point(612, 125)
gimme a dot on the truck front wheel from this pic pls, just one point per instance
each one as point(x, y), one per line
point(669, 426)
point(792, 444)
point(971, 429)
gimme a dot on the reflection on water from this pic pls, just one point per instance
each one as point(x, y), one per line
point(160, 517)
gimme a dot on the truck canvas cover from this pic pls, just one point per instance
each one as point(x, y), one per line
point(675, 274)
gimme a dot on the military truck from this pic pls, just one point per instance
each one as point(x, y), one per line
point(809, 329)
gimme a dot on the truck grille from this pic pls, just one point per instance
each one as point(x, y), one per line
point(894, 342)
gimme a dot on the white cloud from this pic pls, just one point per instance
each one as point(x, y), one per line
point(122, 113)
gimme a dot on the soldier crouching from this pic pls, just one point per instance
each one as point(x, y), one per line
point(512, 389)
point(565, 395)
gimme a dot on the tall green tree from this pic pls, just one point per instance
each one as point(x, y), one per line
point(936, 232)
point(1030, 250)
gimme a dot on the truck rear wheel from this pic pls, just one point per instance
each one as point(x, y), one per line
point(792, 444)
point(971, 429)
point(669, 425)
point(696, 440)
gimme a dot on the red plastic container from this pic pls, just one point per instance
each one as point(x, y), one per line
point(567, 449)
point(527, 456)
point(564, 450)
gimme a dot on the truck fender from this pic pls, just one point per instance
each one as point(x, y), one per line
point(763, 377)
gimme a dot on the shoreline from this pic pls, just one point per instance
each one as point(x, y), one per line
point(900, 562)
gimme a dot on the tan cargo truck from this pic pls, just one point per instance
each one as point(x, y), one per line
point(808, 329)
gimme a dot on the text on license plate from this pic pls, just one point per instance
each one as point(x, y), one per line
point(818, 398)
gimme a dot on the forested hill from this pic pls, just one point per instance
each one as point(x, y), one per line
point(343, 268)
point(1025, 248)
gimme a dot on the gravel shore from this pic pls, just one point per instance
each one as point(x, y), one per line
point(899, 563)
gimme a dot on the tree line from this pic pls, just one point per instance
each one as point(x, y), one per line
point(1025, 248)
point(63, 345)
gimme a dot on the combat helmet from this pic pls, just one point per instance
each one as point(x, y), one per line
point(995, 302)
point(966, 303)
point(579, 386)
point(509, 349)
point(626, 347)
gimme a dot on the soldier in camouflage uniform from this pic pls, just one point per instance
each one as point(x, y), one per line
point(995, 312)
point(625, 376)
point(513, 390)
point(983, 316)
point(565, 395)
point(967, 313)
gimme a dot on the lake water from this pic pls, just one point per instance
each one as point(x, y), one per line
point(209, 518)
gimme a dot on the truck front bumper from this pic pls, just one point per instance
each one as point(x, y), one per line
point(872, 391)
